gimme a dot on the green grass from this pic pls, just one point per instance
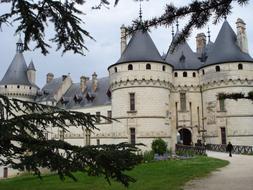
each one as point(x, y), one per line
point(170, 175)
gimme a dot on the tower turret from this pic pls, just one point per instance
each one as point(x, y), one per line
point(31, 73)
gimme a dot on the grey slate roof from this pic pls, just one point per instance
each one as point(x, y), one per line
point(17, 72)
point(48, 91)
point(74, 98)
point(225, 48)
point(140, 48)
point(183, 58)
point(31, 66)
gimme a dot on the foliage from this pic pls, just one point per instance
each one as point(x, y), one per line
point(33, 17)
point(235, 96)
point(159, 146)
point(148, 156)
point(172, 175)
point(24, 146)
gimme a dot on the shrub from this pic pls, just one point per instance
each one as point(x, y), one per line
point(148, 156)
point(159, 146)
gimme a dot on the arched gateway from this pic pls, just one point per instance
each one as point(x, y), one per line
point(185, 136)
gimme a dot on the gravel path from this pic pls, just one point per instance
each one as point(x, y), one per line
point(238, 175)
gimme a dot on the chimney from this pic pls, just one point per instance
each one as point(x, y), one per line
point(200, 42)
point(50, 77)
point(123, 38)
point(64, 77)
point(83, 83)
point(241, 35)
point(94, 82)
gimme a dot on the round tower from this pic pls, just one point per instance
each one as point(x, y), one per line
point(140, 86)
point(228, 69)
point(19, 81)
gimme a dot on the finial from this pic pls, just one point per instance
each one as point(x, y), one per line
point(177, 25)
point(209, 34)
point(173, 31)
point(140, 13)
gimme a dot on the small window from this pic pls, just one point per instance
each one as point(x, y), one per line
point(175, 74)
point(5, 86)
point(132, 101)
point(98, 141)
point(18, 86)
point(109, 115)
point(183, 101)
point(132, 135)
point(30, 87)
point(164, 68)
point(87, 136)
point(148, 66)
point(222, 104)
point(98, 119)
point(130, 67)
point(61, 135)
point(217, 68)
point(184, 74)
point(203, 72)
point(115, 69)
point(193, 74)
point(240, 67)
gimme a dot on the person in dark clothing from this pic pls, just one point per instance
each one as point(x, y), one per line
point(229, 148)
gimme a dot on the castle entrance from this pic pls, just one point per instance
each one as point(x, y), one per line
point(185, 136)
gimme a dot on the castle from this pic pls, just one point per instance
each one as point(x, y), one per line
point(173, 97)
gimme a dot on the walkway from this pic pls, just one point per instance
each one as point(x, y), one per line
point(238, 175)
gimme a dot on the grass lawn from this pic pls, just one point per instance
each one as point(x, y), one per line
point(169, 175)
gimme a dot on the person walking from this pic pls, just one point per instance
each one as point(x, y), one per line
point(229, 148)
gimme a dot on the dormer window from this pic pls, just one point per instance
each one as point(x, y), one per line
point(217, 68)
point(130, 67)
point(148, 66)
point(184, 74)
point(240, 67)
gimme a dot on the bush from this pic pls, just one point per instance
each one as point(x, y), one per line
point(159, 146)
point(148, 156)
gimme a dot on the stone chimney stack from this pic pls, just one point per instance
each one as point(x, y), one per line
point(200, 42)
point(83, 83)
point(123, 38)
point(242, 39)
point(94, 82)
point(50, 77)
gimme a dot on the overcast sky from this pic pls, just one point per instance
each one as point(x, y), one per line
point(104, 26)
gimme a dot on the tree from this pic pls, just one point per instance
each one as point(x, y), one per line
point(34, 16)
point(24, 145)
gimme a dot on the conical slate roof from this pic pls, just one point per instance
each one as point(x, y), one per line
point(140, 48)
point(17, 72)
point(31, 66)
point(182, 58)
point(225, 48)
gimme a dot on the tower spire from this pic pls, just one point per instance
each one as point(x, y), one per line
point(172, 31)
point(140, 13)
point(209, 34)
point(177, 25)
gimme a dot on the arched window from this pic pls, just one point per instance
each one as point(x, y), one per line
point(115, 69)
point(164, 68)
point(240, 67)
point(130, 67)
point(203, 72)
point(184, 74)
point(217, 68)
point(175, 74)
point(148, 66)
point(193, 74)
